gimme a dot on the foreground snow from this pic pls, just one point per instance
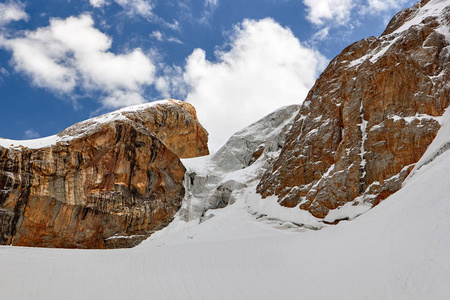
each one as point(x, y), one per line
point(398, 250)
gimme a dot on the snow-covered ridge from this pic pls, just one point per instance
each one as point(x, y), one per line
point(435, 9)
point(79, 129)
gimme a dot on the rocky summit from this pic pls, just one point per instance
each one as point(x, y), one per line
point(369, 117)
point(107, 182)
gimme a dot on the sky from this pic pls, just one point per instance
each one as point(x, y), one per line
point(64, 61)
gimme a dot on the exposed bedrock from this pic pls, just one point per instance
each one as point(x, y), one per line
point(369, 117)
point(107, 182)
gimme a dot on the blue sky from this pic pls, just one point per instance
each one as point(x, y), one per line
point(65, 61)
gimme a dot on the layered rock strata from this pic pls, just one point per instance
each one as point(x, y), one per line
point(369, 117)
point(174, 122)
point(108, 182)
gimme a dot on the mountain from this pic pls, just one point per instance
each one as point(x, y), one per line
point(228, 241)
point(369, 117)
point(106, 182)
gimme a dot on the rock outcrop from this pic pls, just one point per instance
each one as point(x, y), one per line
point(108, 182)
point(176, 125)
point(174, 122)
point(369, 117)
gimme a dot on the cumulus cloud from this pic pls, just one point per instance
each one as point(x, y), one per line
point(71, 55)
point(321, 11)
point(12, 11)
point(265, 68)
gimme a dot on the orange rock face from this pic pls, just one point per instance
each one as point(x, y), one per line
point(175, 123)
point(107, 183)
point(369, 117)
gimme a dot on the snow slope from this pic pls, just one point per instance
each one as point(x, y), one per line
point(398, 250)
point(253, 249)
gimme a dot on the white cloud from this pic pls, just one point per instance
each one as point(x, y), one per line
point(137, 7)
point(71, 54)
point(4, 72)
point(142, 8)
point(329, 14)
point(161, 37)
point(12, 11)
point(31, 134)
point(212, 3)
point(266, 68)
point(32, 57)
point(157, 35)
point(377, 6)
point(321, 34)
point(120, 98)
point(172, 83)
point(321, 11)
point(98, 3)
point(173, 39)
point(210, 7)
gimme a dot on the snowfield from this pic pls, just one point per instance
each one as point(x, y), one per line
point(398, 250)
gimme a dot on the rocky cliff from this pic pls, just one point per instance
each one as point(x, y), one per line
point(107, 182)
point(369, 117)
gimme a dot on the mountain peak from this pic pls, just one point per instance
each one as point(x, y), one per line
point(433, 13)
point(369, 117)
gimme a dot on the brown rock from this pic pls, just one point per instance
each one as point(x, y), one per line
point(174, 122)
point(108, 182)
point(370, 115)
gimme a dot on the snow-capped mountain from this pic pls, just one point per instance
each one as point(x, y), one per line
point(361, 170)
point(369, 117)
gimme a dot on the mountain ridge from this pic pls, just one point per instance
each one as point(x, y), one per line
point(370, 116)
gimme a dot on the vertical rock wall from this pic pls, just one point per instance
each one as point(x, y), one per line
point(104, 184)
point(370, 116)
